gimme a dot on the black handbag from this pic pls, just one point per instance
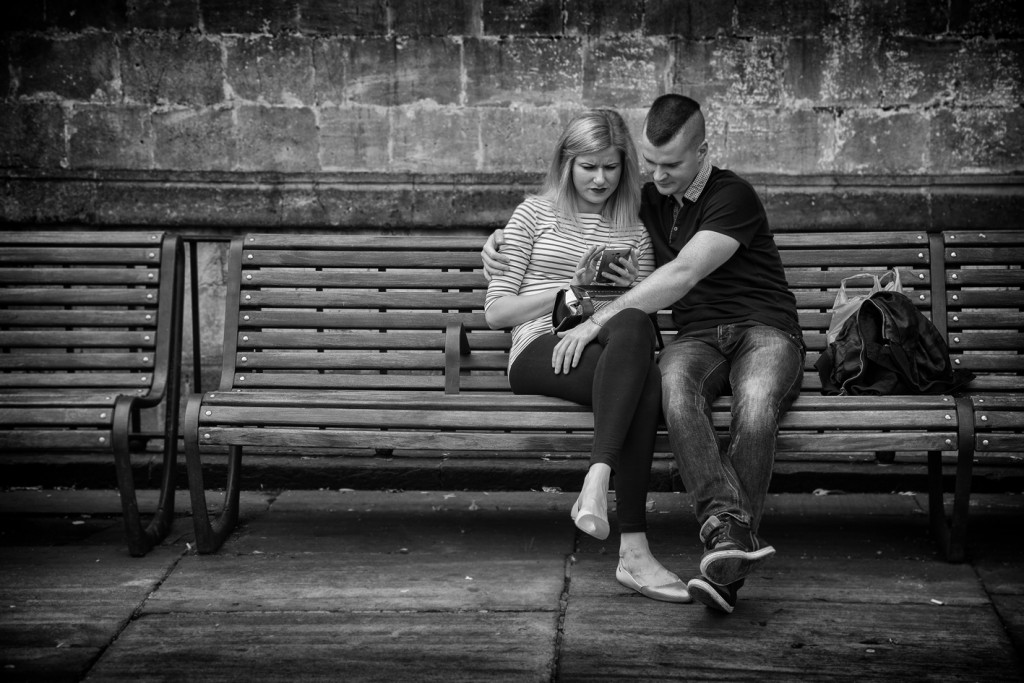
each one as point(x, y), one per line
point(589, 299)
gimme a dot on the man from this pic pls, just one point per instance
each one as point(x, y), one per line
point(720, 273)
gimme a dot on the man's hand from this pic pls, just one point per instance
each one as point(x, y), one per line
point(495, 263)
point(569, 349)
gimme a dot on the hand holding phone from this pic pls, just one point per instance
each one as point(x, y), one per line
point(609, 256)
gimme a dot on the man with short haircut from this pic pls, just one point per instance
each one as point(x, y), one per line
point(720, 273)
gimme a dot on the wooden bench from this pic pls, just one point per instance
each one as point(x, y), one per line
point(339, 343)
point(983, 317)
point(90, 335)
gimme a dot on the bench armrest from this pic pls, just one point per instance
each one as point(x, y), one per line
point(456, 345)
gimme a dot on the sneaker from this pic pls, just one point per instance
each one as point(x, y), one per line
point(721, 598)
point(731, 550)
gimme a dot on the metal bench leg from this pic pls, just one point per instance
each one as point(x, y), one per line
point(141, 538)
point(210, 534)
point(952, 535)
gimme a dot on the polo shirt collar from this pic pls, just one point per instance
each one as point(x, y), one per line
point(697, 186)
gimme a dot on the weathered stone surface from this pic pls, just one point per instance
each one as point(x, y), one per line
point(32, 135)
point(103, 137)
point(203, 140)
point(168, 68)
point(513, 17)
point(353, 17)
point(277, 139)
point(690, 19)
point(82, 67)
point(272, 69)
point(595, 17)
point(618, 72)
point(354, 138)
point(523, 70)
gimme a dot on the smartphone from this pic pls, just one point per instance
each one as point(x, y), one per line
point(609, 256)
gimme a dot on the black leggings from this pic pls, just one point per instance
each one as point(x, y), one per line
point(619, 378)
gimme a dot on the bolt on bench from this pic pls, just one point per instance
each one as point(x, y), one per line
point(90, 335)
point(338, 343)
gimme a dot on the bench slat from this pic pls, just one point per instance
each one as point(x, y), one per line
point(114, 381)
point(292, 277)
point(55, 296)
point(55, 417)
point(322, 258)
point(537, 443)
point(78, 318)
point(57, 440)
point(77, 338)
point(80, 276)
point(343, 298)
point(53, 255)
point(75, 361)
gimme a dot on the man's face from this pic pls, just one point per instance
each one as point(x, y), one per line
point(674, 165)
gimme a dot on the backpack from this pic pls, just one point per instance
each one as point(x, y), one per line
point(888, 347)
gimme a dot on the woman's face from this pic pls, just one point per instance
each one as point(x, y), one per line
point(595, 177)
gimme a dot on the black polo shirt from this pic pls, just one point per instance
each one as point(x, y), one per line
point(751, 285)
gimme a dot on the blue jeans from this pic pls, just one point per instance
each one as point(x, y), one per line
point(763, 367)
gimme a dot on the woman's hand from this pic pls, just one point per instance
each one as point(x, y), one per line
point(624, 272)
point(586, 269)
point(569, 349)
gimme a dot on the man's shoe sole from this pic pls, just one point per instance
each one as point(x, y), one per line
point(705, 593)
point(723, 567)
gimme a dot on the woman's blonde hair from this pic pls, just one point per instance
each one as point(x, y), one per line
point(589, 133)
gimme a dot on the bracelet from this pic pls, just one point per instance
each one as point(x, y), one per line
point(594, 320)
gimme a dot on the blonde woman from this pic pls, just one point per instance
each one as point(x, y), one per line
point(590, 201)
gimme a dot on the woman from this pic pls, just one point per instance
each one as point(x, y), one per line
point(590, 200)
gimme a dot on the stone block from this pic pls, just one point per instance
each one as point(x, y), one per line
point(400, 71)
point(341, 204)
point(277, 139)
point(890, 142)
point(435, 139)
point(806, 18)
point(597, 17)
point(76, 15)
point(428, 69)
point(747, 72)
point(991, 73)
point(22, 16)
point(29, 200)
point(271, 69)
point(977, 140)
point(190, 139)
point(691, 19)
point(523, 70)
point(802, 77)
point(109, 137)
point(995, 18)
point(518, 17)
point(143, 201)
point(620, 71)
point(167, 68)
point(350, 18)
point(429, 17)
point(251, 16)
point(82, 67)
point(520, 139)
point(354, 138)
point(31, 134)
point(917, 71)
point(330, 69)
point(164, 15)
point(767, 140)
point(851, 75)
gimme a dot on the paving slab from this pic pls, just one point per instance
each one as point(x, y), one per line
point(289, 646)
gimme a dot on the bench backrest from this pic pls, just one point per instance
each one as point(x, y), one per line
point(80, 311)
point(983, 307)
point(343, 311)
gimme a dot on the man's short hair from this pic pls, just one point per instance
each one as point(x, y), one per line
point(667, 116)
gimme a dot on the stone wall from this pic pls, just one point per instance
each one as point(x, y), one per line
point(212, 117)
point(225, 114)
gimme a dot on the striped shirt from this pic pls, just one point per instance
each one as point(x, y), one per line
point(544, 251)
